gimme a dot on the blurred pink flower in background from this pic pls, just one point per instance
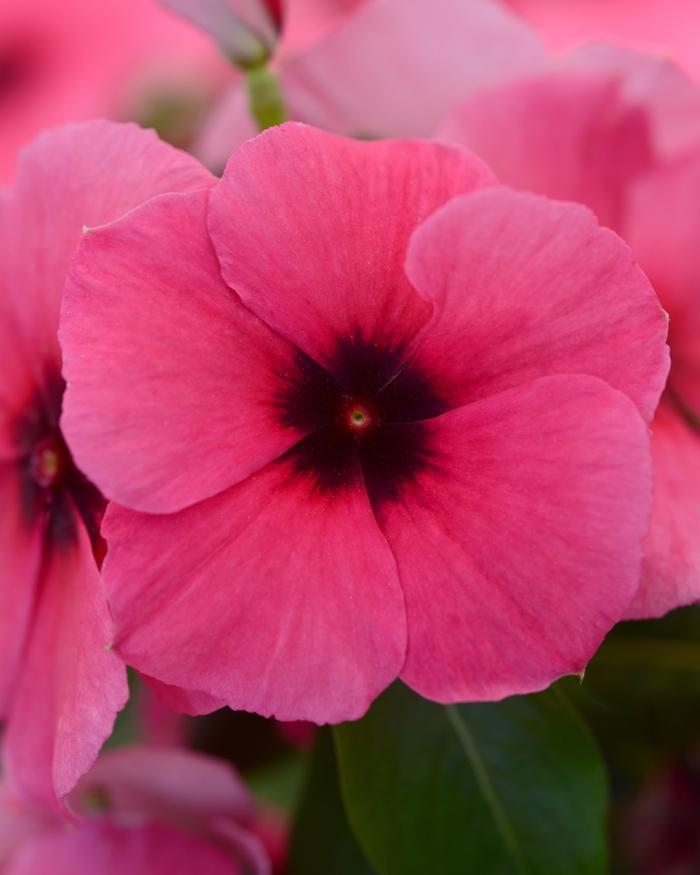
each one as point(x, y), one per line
point(60, 684)
point(69, 60)
point(671, 27)
point(249, 31)
point(382, 68)
point(139, 811)
point(663, 228)
point(423, 454)
point(620, 132)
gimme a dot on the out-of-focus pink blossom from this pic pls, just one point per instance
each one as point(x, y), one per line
point(139, 811)
point(663, 228)
point(405, 445)
point(387, 68)
point(246, 30)
point(60, 683)
point(619, 140)
point(70, 60)
point(250, 31)
point(671, 27)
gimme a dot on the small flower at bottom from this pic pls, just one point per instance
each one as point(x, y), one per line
point(139, 811)
point(366, 415)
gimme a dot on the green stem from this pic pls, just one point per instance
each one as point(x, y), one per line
point(264, 96)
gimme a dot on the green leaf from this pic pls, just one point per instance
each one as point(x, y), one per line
point(503, 788)
point(322, 842)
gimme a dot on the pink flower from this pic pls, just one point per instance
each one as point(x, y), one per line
point(617, 139)
point(139, 811)
point(60, 684)
point(668, 26)
point(663, 223)
point(361, 428)
point(249, 31)
point(584, 131)
point(388, 68)
point(69, 60)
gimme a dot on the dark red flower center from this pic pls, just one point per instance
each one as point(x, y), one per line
point(368, 424)
point(51, 483)
point(358, 416)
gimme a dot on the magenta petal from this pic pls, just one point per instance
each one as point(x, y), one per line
point(76, 176)
point(274, 596)
point(71, 685)
point(537, 288)
point(182, 402)
point(183, 701)
point(671, 571)
point(104, 848)
point(21, 543)
point(311, 231)
point(519, 546)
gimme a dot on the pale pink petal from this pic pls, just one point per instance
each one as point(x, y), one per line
point(17, 384)
point(567, 136)
point(278, 596)
point(307, 21)
point(183, 701)
point(663, 229)
point(537, 288)
point(653, 82)
point(668, 27)
point(519, 543)
point(183, 400)
point(393, 68)
point(229, 125)
point(671, 570)
point(179, 787)
point(103, 848)
point(245, 845)
point(244, 29)
point(19, 823)
point(71, 685)
point(21, 547)
point(69, 178)
point(311, 231)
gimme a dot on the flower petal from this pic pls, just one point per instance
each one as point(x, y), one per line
point(393, 68)
point(671, 570)
point(525, 287)
point(521, 544)
point(567, 136)
point(244, 29)
point(180, 401)
point(311, 231)
point(104, 848)
point(275, 596)
point(21, 542)
point(663, 227)
point(182, 701)
point(17, 384)
point(179, 787)
point(71, 685)
point(75, 176)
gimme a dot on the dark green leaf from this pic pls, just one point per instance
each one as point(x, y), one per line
point(500, 788)
point(322, 842)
